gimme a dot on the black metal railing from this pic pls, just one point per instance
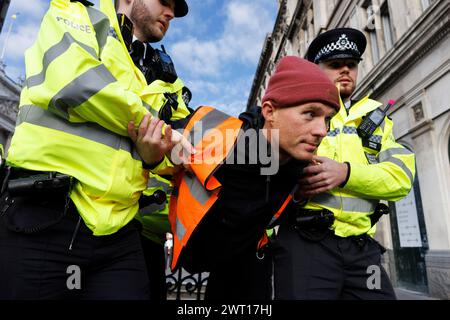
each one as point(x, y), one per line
point(182, 285)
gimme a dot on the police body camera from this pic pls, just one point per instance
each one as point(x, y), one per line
point(159, 66)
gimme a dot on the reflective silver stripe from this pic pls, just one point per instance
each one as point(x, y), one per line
point(400, 163)
point(180, 229)
point(155, 183)
point(152, 111)
point(151, 209)
point(385, 155)
point(207, 123)
point(80, 90)
point(91, 131)
point(101, 25)
point(328, 200)
point(54, 52)
point(348, 204)
point(196, 189)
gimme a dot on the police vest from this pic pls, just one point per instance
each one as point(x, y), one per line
point(384, 172)
point(82, 89)
point(195, 193)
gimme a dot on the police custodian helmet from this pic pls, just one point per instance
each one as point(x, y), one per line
point(340, 43)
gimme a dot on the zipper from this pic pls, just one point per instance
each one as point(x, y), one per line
point(75, 232)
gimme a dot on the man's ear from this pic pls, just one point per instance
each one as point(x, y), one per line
point(268, 111)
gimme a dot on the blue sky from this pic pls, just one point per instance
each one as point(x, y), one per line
point(215, 48)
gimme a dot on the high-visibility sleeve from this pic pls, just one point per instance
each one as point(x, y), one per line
point(65, 73)
point(391, 178)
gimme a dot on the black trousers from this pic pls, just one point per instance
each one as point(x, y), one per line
point(39, 265)
point(333, 268)
point(245, 278)
point(156, 268)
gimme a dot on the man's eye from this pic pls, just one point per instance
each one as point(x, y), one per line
point(165, 3)
point(335, 65)
point(309, 115)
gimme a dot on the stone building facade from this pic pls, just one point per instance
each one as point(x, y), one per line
point(9, 104)
point(9, 93)
point(407, 59)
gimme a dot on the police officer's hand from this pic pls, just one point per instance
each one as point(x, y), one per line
point(322, 175)
point(151, 144)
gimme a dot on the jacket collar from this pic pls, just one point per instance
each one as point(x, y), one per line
point(360, 108)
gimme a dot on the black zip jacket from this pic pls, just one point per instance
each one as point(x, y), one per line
point(246, 205)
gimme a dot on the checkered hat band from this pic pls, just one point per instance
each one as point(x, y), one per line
point(343, 44)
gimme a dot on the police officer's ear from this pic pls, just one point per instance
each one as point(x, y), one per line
point(268, 111)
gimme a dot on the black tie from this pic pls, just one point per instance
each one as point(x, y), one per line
point(137, 53)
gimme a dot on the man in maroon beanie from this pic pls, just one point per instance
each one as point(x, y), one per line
point(294, 117)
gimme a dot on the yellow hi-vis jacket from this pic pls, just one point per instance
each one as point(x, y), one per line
point(82, 89)
point(387, 174)
point(154, 218)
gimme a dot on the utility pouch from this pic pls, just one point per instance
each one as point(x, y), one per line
point(380, 211)
point(313, 225)
point(31, 204)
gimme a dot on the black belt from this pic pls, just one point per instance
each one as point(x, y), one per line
point(22, 182)
point(313, 219)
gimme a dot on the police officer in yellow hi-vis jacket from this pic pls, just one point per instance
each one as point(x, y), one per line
point(326, 249)
point(75, 169)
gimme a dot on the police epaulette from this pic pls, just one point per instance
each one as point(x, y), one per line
point(85, 2)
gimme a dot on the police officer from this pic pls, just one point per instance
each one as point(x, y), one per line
point(326, 249)
point(75, 176)
point(169, 99)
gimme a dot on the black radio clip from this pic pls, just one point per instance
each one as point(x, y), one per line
point(371, 122)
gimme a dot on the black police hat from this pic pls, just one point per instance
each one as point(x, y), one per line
point(341, 43)
point(181, 8)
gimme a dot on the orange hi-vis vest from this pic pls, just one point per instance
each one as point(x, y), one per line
point(214, 135)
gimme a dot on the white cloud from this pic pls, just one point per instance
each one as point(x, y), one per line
point(228, 96)
point(19, 40)
point(244, 31)
point(33, 9)
point(198, 57)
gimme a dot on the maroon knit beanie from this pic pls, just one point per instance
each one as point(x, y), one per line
point(297, 81)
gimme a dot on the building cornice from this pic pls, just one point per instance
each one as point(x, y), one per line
point(9, 83)
point(299, 13)
point(340, 14)
point(260, 70)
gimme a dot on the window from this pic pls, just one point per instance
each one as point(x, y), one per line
point(306, 35)
point(387, 26)
point(425, 4)
point(371, 30)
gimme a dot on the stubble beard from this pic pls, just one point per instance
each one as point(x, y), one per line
point(145, 22)
point(346, 92)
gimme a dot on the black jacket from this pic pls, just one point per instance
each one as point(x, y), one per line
point(246, 205)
